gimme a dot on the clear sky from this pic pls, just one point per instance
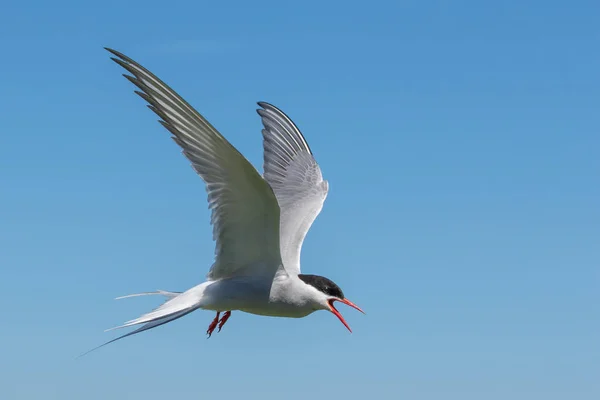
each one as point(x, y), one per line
point(460, 140)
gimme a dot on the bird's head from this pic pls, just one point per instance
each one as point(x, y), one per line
point(327, 292)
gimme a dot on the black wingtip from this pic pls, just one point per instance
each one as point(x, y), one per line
point(121, 58)
point(265, 107)
point(263, 104)
point(113, 51)
point(270, 107)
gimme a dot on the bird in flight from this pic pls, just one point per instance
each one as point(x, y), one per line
point(259, 222)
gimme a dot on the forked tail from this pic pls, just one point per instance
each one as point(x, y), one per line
point(177, 305)
point(168, 295)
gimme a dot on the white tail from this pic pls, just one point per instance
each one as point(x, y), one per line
point(177, 305)
point(168, 295)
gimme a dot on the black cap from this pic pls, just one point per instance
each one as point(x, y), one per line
point(323, 285)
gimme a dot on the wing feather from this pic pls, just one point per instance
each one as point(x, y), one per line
point(245, 213)
point(296, 179)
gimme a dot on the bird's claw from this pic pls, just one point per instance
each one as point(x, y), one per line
point(224, 319)
point(217, 323)
point(213, 325)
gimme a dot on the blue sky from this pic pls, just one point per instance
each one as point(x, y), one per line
point(460, 140)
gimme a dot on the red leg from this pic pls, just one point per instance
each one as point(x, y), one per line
point(213, 325)
point(224, 319)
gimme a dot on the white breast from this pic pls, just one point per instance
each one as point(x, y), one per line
point(280, 297)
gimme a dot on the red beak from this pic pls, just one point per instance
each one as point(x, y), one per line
point(337, 313)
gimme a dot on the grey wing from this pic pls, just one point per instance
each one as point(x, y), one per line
point(296, 179)
point(245, 213)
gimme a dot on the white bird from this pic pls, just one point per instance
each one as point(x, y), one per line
point(259, 222)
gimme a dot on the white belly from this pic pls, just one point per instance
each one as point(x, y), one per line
point(277, 310)
point(260, 296)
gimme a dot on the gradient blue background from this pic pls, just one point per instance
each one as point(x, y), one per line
point(461, 143)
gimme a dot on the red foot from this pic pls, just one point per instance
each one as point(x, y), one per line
point(213, 325)
point(224, 319)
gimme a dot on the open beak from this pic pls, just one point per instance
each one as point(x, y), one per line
point(337, 313)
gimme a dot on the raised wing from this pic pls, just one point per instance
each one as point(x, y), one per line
point(245, 213)
point(296, 179)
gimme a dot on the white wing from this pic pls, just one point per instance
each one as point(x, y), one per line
point(245, 213)
point(296, 179)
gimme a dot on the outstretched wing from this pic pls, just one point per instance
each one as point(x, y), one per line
point(245, 212)
point(296, 179)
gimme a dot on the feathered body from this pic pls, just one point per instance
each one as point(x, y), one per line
point(259, 222)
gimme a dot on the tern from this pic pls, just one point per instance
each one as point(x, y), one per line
point(259, 222)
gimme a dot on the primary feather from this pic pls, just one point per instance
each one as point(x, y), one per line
point(296, 179)
point(245, 212)
point(259, 222)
